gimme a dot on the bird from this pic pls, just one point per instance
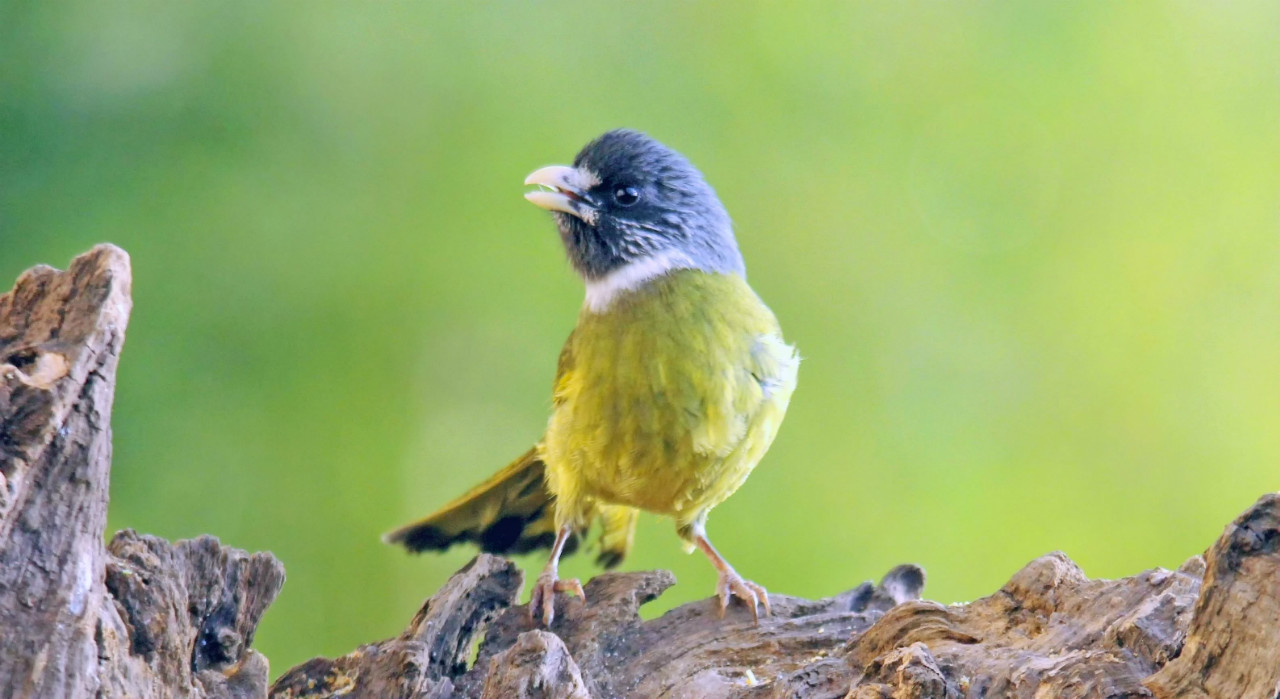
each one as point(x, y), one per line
point(668, 391)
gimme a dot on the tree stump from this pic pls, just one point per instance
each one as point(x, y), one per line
point(141, 617)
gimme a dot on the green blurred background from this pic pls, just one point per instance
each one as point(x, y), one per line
point(1029, 251)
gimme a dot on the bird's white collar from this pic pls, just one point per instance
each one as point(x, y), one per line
point(602, 292)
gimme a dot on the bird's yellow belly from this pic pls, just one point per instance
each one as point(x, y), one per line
point(663, 408)
point(679, 483)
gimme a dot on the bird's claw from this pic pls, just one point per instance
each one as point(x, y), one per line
point(544, 595)
point(733, 585)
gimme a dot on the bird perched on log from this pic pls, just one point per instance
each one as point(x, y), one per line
point(669, 390)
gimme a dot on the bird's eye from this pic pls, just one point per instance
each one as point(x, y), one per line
point(626, 196)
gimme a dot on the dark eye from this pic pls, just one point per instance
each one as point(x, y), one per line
point(626, 195)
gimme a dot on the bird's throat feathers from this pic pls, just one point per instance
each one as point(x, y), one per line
point(602, 292)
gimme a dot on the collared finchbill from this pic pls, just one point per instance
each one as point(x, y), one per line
point(567, 190)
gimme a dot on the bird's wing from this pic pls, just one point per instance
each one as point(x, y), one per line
point(564, 372)
point(758, 387)
point(773, 364)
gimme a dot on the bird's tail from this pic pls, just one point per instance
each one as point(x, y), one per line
point(512, 512)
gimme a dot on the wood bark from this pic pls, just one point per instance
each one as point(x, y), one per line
point(141, 617)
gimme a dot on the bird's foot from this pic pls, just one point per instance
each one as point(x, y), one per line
point(733, 585)
point(544, 595)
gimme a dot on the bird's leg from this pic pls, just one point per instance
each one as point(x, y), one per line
point(731, 584)
point(549, 582)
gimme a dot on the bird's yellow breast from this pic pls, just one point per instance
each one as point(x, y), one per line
point(666, 400)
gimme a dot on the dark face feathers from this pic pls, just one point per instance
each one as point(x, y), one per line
point(645, 202)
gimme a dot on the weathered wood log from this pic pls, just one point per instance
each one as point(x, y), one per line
point(1233, 645)
point(139, 617)
point(144, 618)
point(1049, 632)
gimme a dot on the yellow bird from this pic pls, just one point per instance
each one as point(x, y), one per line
point(669, 391)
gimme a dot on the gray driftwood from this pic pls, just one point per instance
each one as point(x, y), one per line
point(1049, 632)
point(138, 617)
point(144, 618)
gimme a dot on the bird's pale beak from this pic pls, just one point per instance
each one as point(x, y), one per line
point(566, 191)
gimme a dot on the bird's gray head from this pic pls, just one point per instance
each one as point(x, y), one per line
point(630, 204)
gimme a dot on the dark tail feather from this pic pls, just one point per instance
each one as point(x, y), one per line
point(512, 512)
point(617, 533)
